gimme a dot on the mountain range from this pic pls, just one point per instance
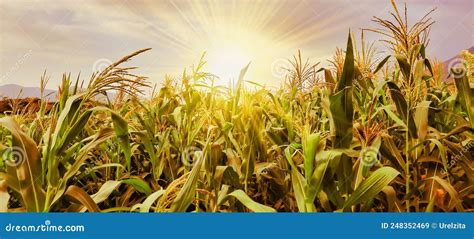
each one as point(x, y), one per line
point(14, 91)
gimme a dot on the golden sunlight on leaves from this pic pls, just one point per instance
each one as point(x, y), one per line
point(368, 132)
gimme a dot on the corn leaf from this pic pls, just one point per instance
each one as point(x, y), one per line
point(371, 186)
point(315, 184)
point(78, 195)
point(402, 108)
point(121, 130)
point(82, 155)
point(104, 191)
point(187, 192)
point(451, 191)
point(310, 144)
point(465, 95)
point(341, 107)
point(139, 184)
point(25, 174)
point(421, 118)
point(249, 203)
point(381, 64)
point(146, 205)
point(4, 196)
point(404, 66)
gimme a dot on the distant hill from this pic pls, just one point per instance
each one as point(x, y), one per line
point(14, 91)
point(18, 91)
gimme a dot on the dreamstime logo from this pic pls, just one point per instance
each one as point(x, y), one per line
point(101, 65)
point(191, 155)
point(369, 156)
point(458, 67)
point(46, 227)
point(14, 156)
point(280, 67)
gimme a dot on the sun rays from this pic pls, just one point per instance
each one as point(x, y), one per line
point(234, 33)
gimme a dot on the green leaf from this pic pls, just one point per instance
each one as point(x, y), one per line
point(342, 111)
point(82, 155)
point(372, 186)
point(421, 118)
point(249, 203)
point(390, 150)
point(348, 70)
point(381, 64)
point(297, 182)
point(68, 110)
point(139, 184)
point(442, 152)
point(121, 130)
point(404, 66)
point(299, 185)
point(402, 108)
point(316, 181)
point(393, 116)
point(187, 192)
point(25, 167)
point(419, 71)
point(150, 150)
point(367, 159)
point(430, 207)
point(310, 144)
point(465, 93)
point(74, 131)
point(342, 115)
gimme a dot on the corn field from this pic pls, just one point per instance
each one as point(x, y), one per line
point(368, 134)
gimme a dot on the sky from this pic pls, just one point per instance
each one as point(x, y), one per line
point(62, 36)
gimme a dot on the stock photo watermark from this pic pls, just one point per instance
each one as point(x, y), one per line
point(369, 156)
point(16, 66)
point(14, 156)
point(101, 64)
point(279, 68)
point(47, 226)
point(468, 148)
point(458, 67)
point(191, 155)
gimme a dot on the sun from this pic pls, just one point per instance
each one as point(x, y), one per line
point(226, 61)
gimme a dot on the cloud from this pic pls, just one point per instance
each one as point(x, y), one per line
point(71, 35)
